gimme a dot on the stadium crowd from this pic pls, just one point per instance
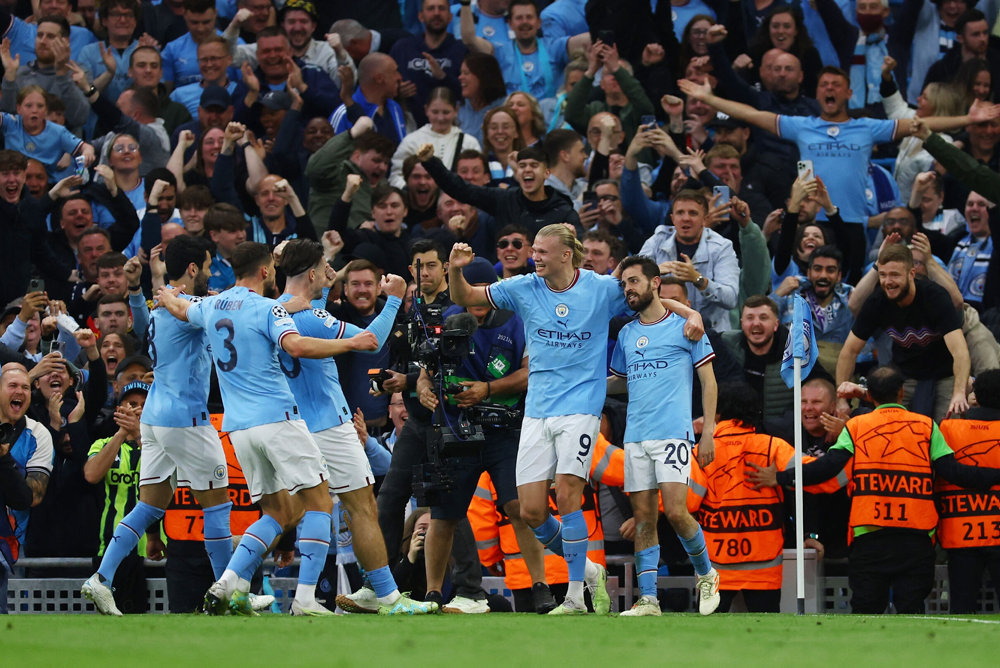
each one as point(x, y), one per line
point(762, 155)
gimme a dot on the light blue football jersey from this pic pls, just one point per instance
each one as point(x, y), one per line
point(182, 371)
point(659, 361)
point(316, 382)
point(840, 153)
point(245, 331)
point(567, 336)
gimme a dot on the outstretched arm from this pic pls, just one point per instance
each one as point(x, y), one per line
point(765, 120)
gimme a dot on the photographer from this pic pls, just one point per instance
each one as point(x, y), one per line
point(495, 373)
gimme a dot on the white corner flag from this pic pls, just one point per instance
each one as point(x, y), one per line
point(798, 360)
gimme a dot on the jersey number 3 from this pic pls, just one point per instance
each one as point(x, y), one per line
point(230, 364)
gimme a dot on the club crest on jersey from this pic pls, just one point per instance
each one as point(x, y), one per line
point(562, 310)
point(220, 472)
point(642, 342)
point(278, 311)
point(833, 130)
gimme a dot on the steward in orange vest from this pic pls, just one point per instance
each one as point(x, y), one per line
point(498, 544)
point(891, 456)
point(969, 524)
point(744, 527)
point(188, 571)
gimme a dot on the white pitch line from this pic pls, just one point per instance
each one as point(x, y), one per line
point(934, 618)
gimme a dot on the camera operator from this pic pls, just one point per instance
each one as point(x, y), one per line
point(495, 374)
point(411, 446)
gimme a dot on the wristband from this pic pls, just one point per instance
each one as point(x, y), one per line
point(489, 391)
point(93, 89)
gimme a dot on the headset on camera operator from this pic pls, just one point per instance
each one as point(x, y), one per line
point(477, 395)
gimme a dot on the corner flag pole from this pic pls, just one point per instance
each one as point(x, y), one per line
point(800, 348)
point(800, 567)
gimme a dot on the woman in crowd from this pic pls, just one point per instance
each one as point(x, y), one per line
point(125, 157)
point(501, 136)
point(529, 117)
point(482, 89)
point(200, 173)
point(783, 29)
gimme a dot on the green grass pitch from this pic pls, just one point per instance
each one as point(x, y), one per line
point(833, 641)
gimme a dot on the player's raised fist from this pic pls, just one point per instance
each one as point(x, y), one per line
point(365, 341)
point(393, 285)
point(425, 152)
point(461, 256)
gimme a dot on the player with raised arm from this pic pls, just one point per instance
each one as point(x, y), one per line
point(658, 432)
point(179, 443)
point(284, 469)
point(316, 386)
point(566, 311)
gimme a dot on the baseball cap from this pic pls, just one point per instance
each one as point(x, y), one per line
point(479, 271)
point(301, 5)
point(722, 120)
point(134, 386)
point(141, 360)
point(276, 100)
point(215, 96)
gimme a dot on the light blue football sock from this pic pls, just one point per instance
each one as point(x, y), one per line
point(549, 534)
point(382, 581)
point(250, 552)
point(697, 551)
point(646, 562)
point(574, 544)
point(126, 537)
point(314, 545)
point(218, 537)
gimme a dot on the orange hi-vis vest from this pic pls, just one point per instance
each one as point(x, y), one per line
point(495, 537)
point(891, 482)
point(744, 527)
point(970, 518)
point(183, 519)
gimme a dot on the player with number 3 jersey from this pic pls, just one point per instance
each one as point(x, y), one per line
point(284, 469)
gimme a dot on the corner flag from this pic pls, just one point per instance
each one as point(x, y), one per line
point(801, 342)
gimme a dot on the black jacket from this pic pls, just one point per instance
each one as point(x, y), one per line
point(23, 245)
point(507, 205)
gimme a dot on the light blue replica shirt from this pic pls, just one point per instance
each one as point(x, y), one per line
point(316, 382)
point(567, 337)
point(245, 332)
point(659, 361)
point(840, 154)
point(182, 371)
